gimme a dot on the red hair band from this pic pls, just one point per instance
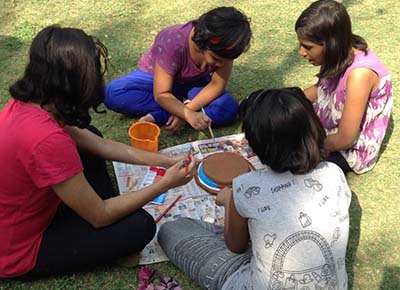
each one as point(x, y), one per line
point(215, 40)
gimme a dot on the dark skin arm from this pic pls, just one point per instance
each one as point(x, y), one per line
point(163, 83)
point(236, 231)
point(77, 193)
point(359, 86)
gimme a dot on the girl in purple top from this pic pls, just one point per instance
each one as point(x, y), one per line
point(353, 96)
point(187, 67)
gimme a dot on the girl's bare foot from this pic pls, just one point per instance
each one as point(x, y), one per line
point(147, 118)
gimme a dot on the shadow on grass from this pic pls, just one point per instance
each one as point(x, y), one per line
point(388, 135)
point(101, 277)
point(354, 237)
point(10, 50)
point(248, 78)
point(391, 278)
point(9, 45)
point(348, 3)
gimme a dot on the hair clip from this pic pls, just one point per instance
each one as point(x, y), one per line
point(215, 40)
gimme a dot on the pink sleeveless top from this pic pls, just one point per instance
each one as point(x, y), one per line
point(363, 155)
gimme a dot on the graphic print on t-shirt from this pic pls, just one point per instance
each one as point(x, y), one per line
point(322, 275)
point(254, 190)
point(298, 226)
point(304, 219)
point(313, 183)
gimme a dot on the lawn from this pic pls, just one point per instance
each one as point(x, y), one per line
point(128, 27)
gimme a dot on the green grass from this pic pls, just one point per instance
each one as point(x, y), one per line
point(128, 27)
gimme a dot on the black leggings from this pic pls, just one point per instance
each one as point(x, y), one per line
point(71, 244)
point(339, 160)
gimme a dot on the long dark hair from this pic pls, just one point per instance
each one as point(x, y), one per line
point(64, 70)
point(327, 23)
point(223, 30)
point(283, 129)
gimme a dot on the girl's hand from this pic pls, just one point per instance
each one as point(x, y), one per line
point(223, 197)
point(198, 120)
point(175, 123)
point(180, 173)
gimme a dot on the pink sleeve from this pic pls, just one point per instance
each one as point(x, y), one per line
point(168, 53)
point(54, 159)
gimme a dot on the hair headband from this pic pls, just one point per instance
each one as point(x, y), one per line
point(217, 40)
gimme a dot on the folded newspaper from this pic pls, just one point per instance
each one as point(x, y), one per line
point(195, 202)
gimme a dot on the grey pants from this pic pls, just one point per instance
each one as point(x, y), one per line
point(198, 249)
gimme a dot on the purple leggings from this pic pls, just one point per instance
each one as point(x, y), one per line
point(132, 94)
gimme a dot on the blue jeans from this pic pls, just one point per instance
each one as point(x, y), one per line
point(198, 249)
point(132, 94)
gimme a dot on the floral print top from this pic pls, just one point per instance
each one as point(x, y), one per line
point(329, 105)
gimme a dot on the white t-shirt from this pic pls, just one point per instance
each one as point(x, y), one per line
point(298, 227)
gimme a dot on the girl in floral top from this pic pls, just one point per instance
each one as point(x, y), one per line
point(353, 96)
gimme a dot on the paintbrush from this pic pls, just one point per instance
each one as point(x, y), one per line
point(209, 126)
point(168, 208)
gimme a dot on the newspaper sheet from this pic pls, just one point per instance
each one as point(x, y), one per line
point(195, 202)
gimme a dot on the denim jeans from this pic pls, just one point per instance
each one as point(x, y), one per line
point(132, 95)
point(198, 249)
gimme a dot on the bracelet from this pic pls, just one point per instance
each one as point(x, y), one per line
point(185, 102)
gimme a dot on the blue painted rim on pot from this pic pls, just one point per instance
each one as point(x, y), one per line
point(204, 177)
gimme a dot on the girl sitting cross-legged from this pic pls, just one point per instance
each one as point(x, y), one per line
point(286, 227)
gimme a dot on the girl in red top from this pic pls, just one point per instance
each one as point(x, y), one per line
point(58, 210)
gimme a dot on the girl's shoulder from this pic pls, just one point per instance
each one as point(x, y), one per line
point(329, 172)
point(328, 168)
point(324, 170)
point(177, 31)
point(369, 60)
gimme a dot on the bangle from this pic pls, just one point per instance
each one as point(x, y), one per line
point(185, 102)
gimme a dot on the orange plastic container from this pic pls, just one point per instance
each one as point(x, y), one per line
point(144, 135)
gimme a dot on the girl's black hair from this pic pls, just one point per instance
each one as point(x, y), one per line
point(223, 30)
point(64, 70)
point(327, 23)
point(283, 129)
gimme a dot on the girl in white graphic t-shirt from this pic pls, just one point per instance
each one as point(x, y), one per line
point(285, 227)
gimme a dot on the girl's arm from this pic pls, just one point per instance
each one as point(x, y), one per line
point(80, 196)
point(360, 83)
point(236, 231)
point(163, 83)
point(116, 151)
point(311, 93)
point(214, 88)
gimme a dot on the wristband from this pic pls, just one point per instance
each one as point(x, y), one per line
point(185, 102)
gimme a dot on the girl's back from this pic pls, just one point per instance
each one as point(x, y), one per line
point(298, 226)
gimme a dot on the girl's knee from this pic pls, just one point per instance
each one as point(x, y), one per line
point(111, 99)
point(149, 226)
point(222, 114)
point(174, 227)
point(140, 224)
